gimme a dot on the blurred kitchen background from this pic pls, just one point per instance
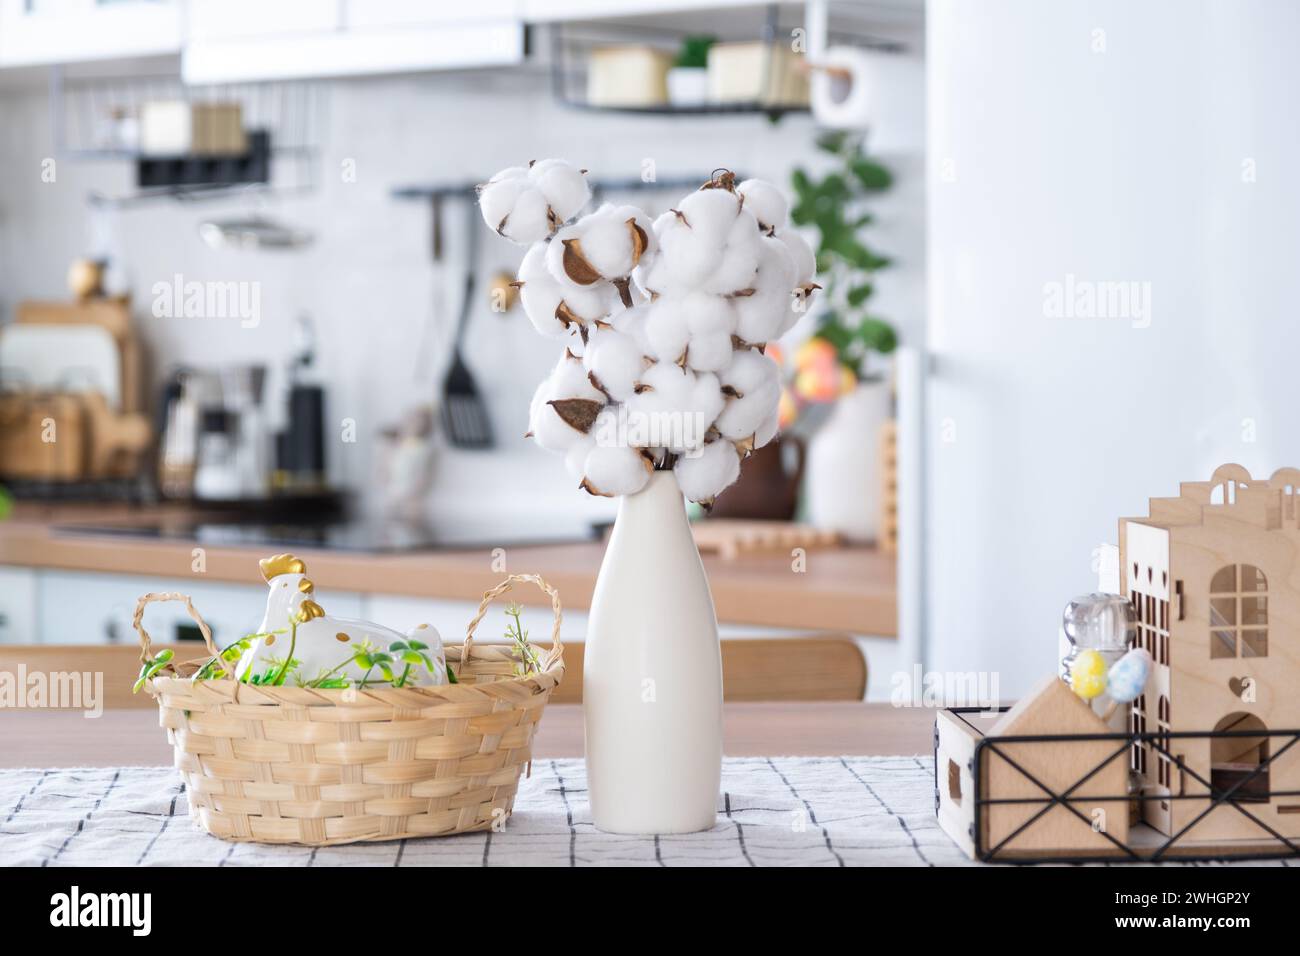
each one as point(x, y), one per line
point(970, 479)
point(313, 161)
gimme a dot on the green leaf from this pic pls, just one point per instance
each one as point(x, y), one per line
point(860, 293)
point(411, 657)
point(833, 141)
point(451, 676)
point(871, 175)
point(877, 334)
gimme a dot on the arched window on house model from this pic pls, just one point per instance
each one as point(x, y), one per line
point(1234, 760)
point(1239, 612)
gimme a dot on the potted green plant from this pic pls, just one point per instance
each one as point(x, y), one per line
point(688, 80)
point(834, 368)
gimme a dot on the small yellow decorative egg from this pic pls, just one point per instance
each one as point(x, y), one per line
point(1088, 675)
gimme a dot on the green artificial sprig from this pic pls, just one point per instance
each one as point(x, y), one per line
point(525, 656)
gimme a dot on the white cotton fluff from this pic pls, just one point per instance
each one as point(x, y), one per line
point(575, 459)
point(567, 380)
point(805, 263)
point(766, 202)
point(615, 361)
point(759, 317)
point(525, 204)
point(563, 184)
point(768, 427)
point(673, 407)
point(708, 243)
point(758, 381)
point(615, 470)
point(703, 476)
point(542, 297)
point(613, 239)
point(696, 325)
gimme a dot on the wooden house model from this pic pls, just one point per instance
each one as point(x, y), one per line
point(1019, 779)
point(1213, 576)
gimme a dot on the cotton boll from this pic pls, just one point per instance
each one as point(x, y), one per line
point(633, 323)
point(673, 407)
point(614, 361)
point(759, 316)
point(614, 469)
point(805, 263)
point(703, 476)
point(527, 204)
point(768, 428)
point(569, 380)
point(710, 213)
point(753, 384)
point(709, 352)
point(554, 427)
point(615, 238)
point(496, 198)
point(575, 459)
point(529, 220)
point(540, 294)
point(766, 202)
point(667, 333)
point(685, 260)
point(564, 186)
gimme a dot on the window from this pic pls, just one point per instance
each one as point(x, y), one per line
point(1239, 612)
point(1234, 759)
point(1138, 724)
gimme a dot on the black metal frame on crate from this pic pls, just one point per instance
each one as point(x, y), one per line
point(1160, 742)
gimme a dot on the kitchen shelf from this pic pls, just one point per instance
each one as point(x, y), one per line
point(97, 117)
point(571, 45)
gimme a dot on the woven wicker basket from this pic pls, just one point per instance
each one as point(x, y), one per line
point(322, 767)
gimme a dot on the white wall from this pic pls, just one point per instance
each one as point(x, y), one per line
point(1047, 158)
point(368, 280)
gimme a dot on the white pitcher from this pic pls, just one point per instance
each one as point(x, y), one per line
point(652, 674)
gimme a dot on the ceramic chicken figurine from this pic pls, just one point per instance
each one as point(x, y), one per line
point(296, 628)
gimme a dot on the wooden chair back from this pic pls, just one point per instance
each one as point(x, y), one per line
point(812, 667)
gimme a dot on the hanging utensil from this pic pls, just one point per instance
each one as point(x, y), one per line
point(464, 413)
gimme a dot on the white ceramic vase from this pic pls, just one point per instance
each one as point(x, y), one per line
point(652, 674)
point(842, 480)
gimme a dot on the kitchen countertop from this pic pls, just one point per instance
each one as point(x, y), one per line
point(132, 738)
point(851, 589)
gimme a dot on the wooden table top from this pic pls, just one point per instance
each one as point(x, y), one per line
point(849, 589)
point(126, 738)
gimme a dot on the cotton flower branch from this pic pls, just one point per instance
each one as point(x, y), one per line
point(663, 323)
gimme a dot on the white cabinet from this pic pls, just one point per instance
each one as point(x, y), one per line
point(81, 608)
point(17, 606)
point(34, 32)
point(316, 38)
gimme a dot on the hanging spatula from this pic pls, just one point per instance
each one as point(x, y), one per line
point(464, 413)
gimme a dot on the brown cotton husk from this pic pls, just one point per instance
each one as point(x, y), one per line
point(597, 384)
point(577, 413)
point(640, 241)
point(745, 446)
point(681, 359)
point(726, 181)
point(738, 343)
point(565, 315)
point(591, 489)
point(576, 266)
point(649, 460)
point(732, 392)
point(742, 293)
point(682, 216)
point(640, 387)
point(624, 287)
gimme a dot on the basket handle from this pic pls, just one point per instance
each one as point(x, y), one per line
point(146, 650)
point(557, 648)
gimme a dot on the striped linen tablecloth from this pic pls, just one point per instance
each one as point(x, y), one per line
point(780, 811)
